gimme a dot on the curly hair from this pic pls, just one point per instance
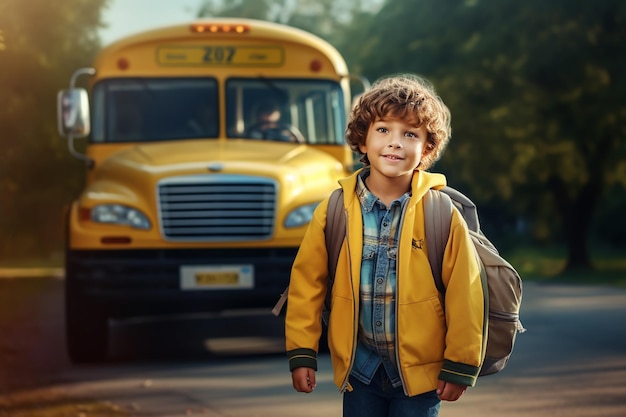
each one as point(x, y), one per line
point(408, 97)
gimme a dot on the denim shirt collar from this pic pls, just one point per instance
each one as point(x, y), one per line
point(366, 198)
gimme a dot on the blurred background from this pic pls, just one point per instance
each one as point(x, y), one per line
point(536, 90)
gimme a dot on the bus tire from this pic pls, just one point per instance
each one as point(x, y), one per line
point(86, 327)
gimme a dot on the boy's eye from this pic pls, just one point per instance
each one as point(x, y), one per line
point(411, 134)
point(382, 129)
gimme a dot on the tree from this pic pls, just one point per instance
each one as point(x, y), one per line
point(249, 9)
point(325, 18)
point(535, 89)
point(42, 43)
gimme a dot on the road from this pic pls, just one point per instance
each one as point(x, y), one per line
point(571, 362)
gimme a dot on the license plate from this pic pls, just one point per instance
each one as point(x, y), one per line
point(216, 277)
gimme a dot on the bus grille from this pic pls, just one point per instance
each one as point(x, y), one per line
point(217, 208)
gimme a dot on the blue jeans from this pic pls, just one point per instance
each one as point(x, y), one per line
point(380, 399)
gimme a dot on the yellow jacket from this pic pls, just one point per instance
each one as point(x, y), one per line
point(432, 342)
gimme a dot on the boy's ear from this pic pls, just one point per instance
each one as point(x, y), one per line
point(429, 146)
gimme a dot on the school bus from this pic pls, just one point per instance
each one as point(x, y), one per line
point(191, 204)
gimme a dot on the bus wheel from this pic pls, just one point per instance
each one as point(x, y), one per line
point(86, 327)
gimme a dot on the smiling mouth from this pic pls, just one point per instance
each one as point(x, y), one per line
point(392, 157)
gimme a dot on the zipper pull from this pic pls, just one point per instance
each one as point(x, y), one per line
point(344, 387)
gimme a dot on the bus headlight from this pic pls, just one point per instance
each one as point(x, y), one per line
point(300, 216)
point(119, 214)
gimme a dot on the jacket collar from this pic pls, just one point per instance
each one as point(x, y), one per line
point(420, 184)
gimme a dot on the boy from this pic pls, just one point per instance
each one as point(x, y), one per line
point(396, 351)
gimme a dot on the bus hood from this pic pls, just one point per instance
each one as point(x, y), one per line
point(156, 161)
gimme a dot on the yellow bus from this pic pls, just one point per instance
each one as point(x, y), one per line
point(208, 145)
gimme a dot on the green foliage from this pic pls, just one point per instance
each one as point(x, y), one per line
point(250, 9)
point(329, 19)
point(42, 44)
point(610, 222)
point(535, 89)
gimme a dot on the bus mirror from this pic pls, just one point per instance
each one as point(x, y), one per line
point(73, 113)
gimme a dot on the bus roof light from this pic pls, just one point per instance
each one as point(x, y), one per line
point(315, 65)
point(123, 64)
point(218, 28)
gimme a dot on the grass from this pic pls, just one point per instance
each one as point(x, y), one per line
point(547, 264)
point(54, 260)
point(533, 262)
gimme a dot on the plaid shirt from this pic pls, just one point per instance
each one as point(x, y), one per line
point(377, 321)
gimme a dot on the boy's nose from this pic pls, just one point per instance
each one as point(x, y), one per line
point(394, 142)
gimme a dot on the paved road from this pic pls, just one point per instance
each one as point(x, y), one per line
point(571, 362)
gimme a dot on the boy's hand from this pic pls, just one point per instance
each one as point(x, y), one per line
point(449, 391)
point(303, 379)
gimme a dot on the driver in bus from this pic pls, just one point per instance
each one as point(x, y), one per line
point(268, 125)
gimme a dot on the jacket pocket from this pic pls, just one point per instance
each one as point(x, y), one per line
point(341, 327)
point(421, 332)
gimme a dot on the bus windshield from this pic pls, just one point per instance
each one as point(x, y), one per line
point(157, 109)
point(152, 109)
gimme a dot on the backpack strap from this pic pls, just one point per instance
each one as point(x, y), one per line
point(335, 228)
point(278, 307)
point(334, 233)
point(437, 219)
point(466, 207)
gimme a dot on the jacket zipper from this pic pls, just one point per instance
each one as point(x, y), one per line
point(405, 204)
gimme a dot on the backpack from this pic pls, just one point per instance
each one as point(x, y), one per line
point(503, 283)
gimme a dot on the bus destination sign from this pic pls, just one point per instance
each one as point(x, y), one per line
point(221, 55)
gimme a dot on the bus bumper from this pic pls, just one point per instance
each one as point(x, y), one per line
point(131, 283)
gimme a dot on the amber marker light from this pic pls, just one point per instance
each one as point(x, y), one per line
point(84, 214)
point(219, 28)
point(115, 240)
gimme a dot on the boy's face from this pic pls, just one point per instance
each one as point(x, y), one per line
point(394, 147)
